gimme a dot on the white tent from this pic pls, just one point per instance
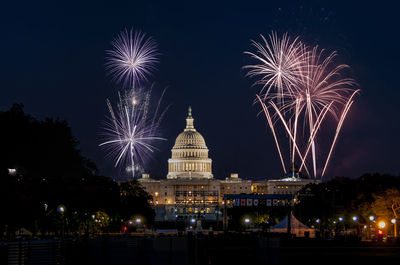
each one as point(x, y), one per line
point(296, 227)
point(23, 232)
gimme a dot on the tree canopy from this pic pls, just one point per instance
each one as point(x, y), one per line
point(42, 168)
point(370, 194)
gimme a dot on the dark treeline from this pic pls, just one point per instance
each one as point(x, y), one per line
point(375, 195)
point(41, 170)
point(341, 204)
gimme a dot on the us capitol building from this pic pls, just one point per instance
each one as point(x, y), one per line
point(190, 189)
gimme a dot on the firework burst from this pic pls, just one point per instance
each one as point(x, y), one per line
point(131, 130)
point(279, 64)
point(132, 58)
point(303, 86)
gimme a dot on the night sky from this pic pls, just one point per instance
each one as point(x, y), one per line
point(53, 53)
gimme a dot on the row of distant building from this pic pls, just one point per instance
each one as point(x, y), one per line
point(190, 190)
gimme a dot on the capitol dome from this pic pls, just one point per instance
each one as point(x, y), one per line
point(189, 154)
point(190, 139)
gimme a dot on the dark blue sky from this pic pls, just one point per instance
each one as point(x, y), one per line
point(53, 62)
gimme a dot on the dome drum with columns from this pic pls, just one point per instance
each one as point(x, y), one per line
point(189, 158)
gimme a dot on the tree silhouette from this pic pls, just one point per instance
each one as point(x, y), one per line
point(41, 168)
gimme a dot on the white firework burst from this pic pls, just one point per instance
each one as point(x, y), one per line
point(132, 58)
point(132, 129)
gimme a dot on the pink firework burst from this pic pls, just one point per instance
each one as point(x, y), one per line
point(303, 85)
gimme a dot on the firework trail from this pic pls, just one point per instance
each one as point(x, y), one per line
point(321, 85)
point(132, 58)
point(303, 86)
point(132, 129)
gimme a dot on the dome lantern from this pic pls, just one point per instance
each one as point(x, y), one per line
point(189, 121)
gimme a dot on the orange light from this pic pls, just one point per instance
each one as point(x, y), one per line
point(380, 232)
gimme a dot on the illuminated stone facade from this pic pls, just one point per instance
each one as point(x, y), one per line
point(189, 155)
point(190, 191)
point(290, 184)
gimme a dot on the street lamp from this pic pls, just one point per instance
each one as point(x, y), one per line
point(247, 222)
point(372, 219)
point(341, 219)
point(138, 220)
point(381, 225)
point(394, 227)
point(61, 210)
point(355, 219)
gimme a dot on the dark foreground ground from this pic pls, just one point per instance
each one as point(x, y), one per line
point(198, 250)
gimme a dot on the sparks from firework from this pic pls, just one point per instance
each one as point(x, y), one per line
point(313, 88)
point(322, 85)
point(132, 58)
point(280, 62)
point(132, 129)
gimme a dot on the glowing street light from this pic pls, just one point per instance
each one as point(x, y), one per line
point(61, 209)
point(393, 221)
point(138, 220)
point(372, 218)
point(192, 220)
point(318, 221)
point(341, 219)
point(355, 218)
point(247, 221)
point(382, 224)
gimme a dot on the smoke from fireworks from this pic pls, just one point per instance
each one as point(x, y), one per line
point(132, 129)
point(303, 87)
point(132, 58)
